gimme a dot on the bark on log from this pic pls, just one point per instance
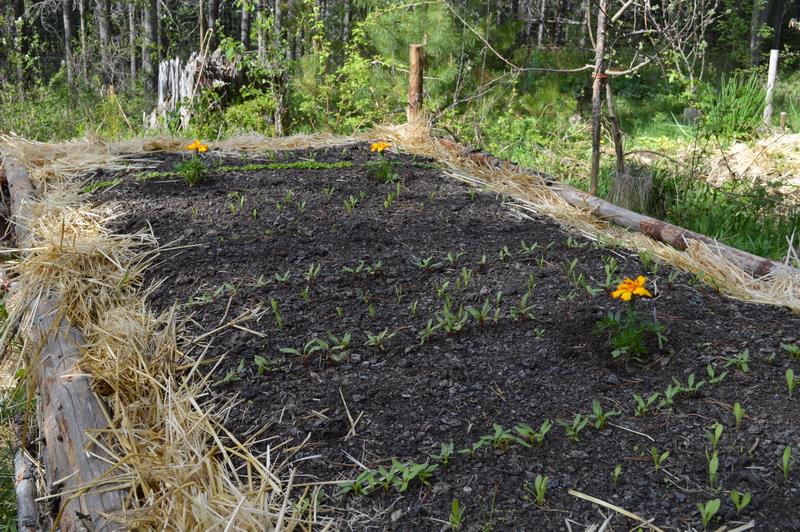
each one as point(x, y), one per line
point(25, 487)
point(70, 409)
point(667, 233)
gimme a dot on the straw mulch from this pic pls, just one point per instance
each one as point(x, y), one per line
point(168, 445)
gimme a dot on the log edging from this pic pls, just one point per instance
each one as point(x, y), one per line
point(74, 465)
point(665, 232)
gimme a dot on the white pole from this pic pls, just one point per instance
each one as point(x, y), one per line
point(773, 73)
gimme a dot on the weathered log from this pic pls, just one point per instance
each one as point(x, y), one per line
point(667, 233)
point(25, 487)
point(70, 409)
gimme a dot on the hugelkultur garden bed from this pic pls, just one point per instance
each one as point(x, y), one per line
point(400, 337)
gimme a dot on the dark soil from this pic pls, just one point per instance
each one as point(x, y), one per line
point(410, 398)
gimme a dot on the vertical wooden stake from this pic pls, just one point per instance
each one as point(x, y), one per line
point(416, 64)
point(773, 73)
point(783, 122)
point(597, 85)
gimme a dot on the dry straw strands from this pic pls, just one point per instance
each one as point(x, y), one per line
point(168, 451)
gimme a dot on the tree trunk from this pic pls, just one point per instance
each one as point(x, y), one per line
point(542, 13)
point(756, 20)
point(132, 37)
point(68, 31)
point(20, 37)
point(245, 29)
point(103, 29)
point(585, 7)
point(346, 22)
point(212, 16)
point(82, 11)
point(149, 37)
point(597, 86)
point(616, 134)
point(277, 19)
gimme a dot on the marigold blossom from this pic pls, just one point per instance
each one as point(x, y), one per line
point(197, 146)
point(379, 146)
point(629, 288)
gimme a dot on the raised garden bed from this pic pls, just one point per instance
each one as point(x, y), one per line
point(323, 249)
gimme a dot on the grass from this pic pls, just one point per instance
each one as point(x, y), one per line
point(297, 165)
point(94, 187)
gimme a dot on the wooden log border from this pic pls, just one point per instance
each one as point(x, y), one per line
point(665, 232)
point(70, 409)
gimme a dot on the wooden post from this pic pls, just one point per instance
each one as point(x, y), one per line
point(783, 122)
point(416, 69)
point(773, 73)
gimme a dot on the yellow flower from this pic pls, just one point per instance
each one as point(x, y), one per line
point(629, 288)
point(197, 146)
point(379, 146)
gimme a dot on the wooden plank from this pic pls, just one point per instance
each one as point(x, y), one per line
point(70, 409)
point(416, 66)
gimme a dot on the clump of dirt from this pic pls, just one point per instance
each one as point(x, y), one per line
point(327, 253)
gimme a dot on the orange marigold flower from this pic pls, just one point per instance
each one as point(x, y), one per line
point(197, 146)
point(379, 146)
point(629, 288)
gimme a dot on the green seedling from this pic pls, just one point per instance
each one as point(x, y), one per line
point(398, 293)
point(502, 438)
point(472, 192)
point(741, 361)
point(522, 310)
point(276, 312)
point(572, 243)
point(441, 290)
point(786, 462)
point(453, 258)
point(713, 378)
point(98, 185)
point(643, 405)
point(658, 458)
point(427, 332)
point(615, 474)
point(412, 308)
point(531, 282)
point(715, 435)
point(481, 315)
point(444, 454)
point(427, 264)
point(708, 511)
point(738, 414)
point(350, 204)
point(340, 312)
point(389, 200)
point(534, 436)
point(791, 382)
point(713, 468)
point(452, 322)
point(482, 264)
point(283, 278)
point(600, 417)
point(527, 250)
point(301, 205)
point(234, 374)
point(792, 349)
point(264, 364)
point(456, 520)
point(379, 340)
point(740, 500)
point(464, 279)
point(505, 254)
point(308, 349)
point(305, 294)
point(610, 267)
point(339, 346)
point(669, 396)
point(312, 273)
point(327, 193)
point(692, 385)
point(573, 428)
point(539, 489)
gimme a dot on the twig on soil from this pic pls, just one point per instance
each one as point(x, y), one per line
point(615, 508)
point(631, 430)
point(746, 526)
point(243, 317)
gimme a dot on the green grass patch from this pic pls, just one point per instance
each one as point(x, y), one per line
point(98, 185)
point(149, 176)
point(298, 165)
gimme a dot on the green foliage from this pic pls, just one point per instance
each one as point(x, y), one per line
point(193, 170)
point(735, 108)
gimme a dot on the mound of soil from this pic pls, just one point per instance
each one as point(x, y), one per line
point(326, 250)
